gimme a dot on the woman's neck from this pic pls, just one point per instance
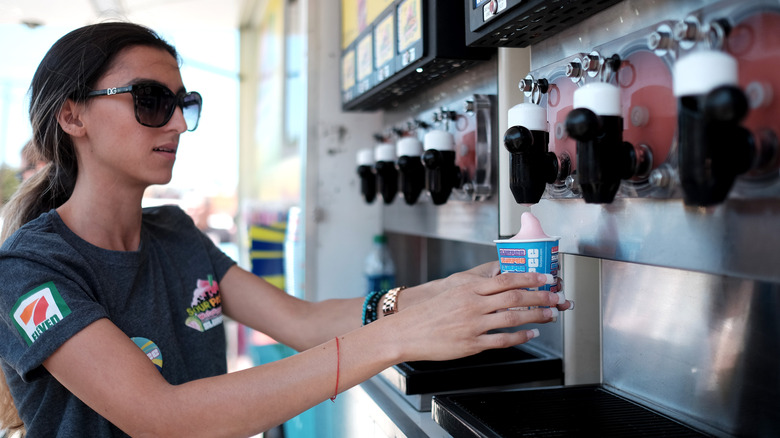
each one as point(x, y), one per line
point(109, 220)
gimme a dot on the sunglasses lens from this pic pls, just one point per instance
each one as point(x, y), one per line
point(190, 107)
point(154, 105)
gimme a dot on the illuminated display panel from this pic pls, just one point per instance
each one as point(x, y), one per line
point(409, 23)
point(384, 47)
point(521, 23)
point(365, 63)
point(348, 70)
point(384, 39)
point(410, 32)
point(357, 16)
point(375, 8)
point(392, 47)
point(365, 59)
point(349, 22)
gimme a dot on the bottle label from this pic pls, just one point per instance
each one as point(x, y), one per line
point(380, 282)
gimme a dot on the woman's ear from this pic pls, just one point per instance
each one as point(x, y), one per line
point(69, 118)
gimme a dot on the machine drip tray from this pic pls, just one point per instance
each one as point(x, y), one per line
point(552, 412)
point(489, 368)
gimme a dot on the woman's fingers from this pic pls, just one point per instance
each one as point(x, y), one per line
point(489, 341)
point(481, 272)
point(519, 298)
point(510, 281)
point(510, 290)
point(513, 318)
point(487, 270)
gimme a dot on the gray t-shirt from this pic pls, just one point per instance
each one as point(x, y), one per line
point(165, 296)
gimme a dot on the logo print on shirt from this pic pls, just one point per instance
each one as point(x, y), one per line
point(151, 350)
point(205, 311)
point(38, 310)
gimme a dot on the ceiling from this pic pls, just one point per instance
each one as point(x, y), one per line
point(153, 13)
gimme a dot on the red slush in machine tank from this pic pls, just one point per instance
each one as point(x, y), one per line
point(645, 83)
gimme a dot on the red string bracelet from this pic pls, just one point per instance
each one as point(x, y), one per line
point(338, 366)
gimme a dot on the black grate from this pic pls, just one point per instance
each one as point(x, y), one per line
point(488, 357)
point(533, 21)
point(559, 412)
point(507, 366)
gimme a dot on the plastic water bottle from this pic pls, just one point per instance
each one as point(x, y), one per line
point(379, 268)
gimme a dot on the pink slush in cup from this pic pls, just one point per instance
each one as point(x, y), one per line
point(530, 250)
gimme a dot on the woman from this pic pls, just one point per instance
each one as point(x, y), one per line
point(91, 281)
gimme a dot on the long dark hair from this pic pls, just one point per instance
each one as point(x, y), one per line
point(69, 70)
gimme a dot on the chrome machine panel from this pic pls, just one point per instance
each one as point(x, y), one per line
point(690, 285)
point(699, 347)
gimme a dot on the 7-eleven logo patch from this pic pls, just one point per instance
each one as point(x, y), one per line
point(38, 311)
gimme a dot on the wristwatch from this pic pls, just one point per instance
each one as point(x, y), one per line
point(390, 303)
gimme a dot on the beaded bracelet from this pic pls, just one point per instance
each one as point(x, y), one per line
point(371, 306)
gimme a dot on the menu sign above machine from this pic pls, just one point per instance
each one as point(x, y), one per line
point(389, 48)
point(520, 23)
point(409, 31)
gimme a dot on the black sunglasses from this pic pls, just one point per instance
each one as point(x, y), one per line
point(155, 104)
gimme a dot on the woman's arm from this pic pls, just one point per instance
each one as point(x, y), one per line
point(301, 324)
point(105, 369)
point(296, 323)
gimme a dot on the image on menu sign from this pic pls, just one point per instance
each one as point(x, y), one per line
point(410, 31)
point(348, 75)
point(384, 40)
point(365, 63)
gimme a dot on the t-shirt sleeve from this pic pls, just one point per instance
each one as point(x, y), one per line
point(186, 226)
point(43, 303)
point(221, 261)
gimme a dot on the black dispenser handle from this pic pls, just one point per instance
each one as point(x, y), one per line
point(531, 166)
point(713, 147)
point(411, 177)
point(441, 175)
point(367, 183)
point(386, 173)
point(387, 180)
point(603, 158)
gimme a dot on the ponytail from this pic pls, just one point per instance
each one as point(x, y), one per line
point(47, 189)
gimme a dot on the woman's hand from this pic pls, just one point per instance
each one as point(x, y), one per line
point(455, 323)
point(430, 289)
point(486, 270)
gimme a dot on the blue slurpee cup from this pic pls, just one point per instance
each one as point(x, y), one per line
point(531, 250)
point(537, 255)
